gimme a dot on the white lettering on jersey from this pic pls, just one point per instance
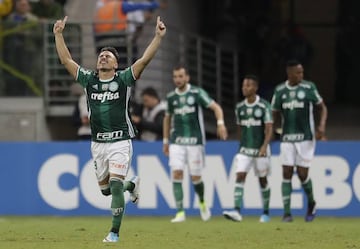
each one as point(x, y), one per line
point(293, 104)
point(293, 137)
point(250, 122)
point(105, 136)
point(186, 140)
point(184, 110)
point(249, 151)
point(106, 96)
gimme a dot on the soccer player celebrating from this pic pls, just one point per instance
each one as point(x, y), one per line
point(187, 138)
point(254, 120)
point(294, 100)
point(108, 93)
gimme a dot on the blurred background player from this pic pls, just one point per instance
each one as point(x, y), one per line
point(254, 120)
point(187, 137)
point(294, 100)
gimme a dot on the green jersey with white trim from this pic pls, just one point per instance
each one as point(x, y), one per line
point(296, 106)
point(108, 103)
point(252, 117)
point(187, 126)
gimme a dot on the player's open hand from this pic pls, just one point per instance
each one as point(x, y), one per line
point(222, 132)
point(160, 27)
point(59, 25)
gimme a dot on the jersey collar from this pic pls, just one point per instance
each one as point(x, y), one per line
point(291, 87)
point(252, 104)
point(188, 86)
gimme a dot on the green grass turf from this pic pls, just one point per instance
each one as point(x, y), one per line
point(158, 232)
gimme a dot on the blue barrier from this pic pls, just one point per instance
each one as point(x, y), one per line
point(57, 178)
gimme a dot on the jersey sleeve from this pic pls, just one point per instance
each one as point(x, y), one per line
point(127, 76)
point(83, 76)
point(275, 102)
point(314, 95)
point(204, 98)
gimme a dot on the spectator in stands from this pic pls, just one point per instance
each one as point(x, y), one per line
point(81, 113)
point(47, 9)
point(19, 47)
point(5, 8)
point(149, 120)
point(110, 27)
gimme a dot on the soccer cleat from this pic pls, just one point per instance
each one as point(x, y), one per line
point(134, 194)
point(111, 237)
point(232, 215)
point(205, 212)
point(179, 217)
point(287, 218)
point(311, 212)
point(264, 218)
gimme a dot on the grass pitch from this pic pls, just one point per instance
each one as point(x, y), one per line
point(158, 233)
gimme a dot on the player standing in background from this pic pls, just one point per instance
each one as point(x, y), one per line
point(254, 120)
point(294, 100)
point(108, 92)
point(186, 137)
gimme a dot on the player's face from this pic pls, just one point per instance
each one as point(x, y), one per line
point(180, 78)
point(249, 88)
point(106, 61)
point(295, 74)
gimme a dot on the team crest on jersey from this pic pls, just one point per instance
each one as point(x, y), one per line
point(249, 111)
point(292, 94)
point(258, 113)
point(113, 86)
point(105, 87)
point(190, 100)
point(301, 94)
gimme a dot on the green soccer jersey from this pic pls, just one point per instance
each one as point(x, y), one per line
point(187, 117)
point(252, 119)
point(108, 103)
point(296, 106)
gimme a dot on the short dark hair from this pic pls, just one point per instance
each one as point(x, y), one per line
point(252, 77)
point(292, 63)
point(113, 51)
point(150, 92)
point(180, 66)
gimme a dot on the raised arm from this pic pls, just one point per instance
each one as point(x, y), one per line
point(61, 48)
point(139, 66)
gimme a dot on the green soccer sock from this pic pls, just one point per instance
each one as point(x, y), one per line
point(307, 186)
point(286, 189)
point(238, 195)
point(266, 199)
point(199, 190)
point(117, 204)
point(179, 195)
